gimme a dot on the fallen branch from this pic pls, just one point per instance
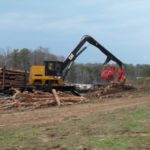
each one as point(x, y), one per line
point(56, 97)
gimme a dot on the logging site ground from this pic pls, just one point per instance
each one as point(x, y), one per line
point(118, 122)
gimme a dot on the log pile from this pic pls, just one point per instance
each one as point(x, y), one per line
point(111, 90)
point(11, 78)
point(39, 99)
point(114, 87)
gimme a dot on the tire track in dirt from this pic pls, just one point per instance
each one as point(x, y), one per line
point(58, 114)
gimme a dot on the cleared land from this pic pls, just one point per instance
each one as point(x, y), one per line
point(110, 123)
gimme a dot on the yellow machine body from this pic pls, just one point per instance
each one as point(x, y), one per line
point(37, 77)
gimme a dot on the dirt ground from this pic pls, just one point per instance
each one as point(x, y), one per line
point(57, 114)
point(119, 121)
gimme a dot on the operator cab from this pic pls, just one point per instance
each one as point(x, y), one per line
point(53, 68)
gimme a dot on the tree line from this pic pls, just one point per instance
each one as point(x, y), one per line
point(25, 58)
point(79, 73)
point(91, 73)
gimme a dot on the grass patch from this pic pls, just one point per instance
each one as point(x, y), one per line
point(137, 121)
point(18, 137)
point(119, 143)
point(114, 130)
point(120, 129)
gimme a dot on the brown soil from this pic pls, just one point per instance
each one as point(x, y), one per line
point(57, 114)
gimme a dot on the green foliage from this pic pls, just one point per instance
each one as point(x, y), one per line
point(24, 56)
point(146, 70)
point(14, 59)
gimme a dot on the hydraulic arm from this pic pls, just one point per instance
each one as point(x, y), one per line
point(78, 50)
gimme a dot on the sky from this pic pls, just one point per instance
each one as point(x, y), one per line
point(121, 26)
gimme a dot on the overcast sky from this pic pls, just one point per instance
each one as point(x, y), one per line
point(122, 26)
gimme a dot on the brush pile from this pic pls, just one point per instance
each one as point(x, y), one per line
point(38, 99)
point(112, 90)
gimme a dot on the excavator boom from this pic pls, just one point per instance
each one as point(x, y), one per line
point(77, 51)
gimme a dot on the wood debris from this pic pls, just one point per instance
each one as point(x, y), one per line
point(56, 97)
point(111, 90)
point(39, 99)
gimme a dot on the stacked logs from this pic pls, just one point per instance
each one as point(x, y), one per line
point(39, 99)
point(113, 88)
point(12, 78)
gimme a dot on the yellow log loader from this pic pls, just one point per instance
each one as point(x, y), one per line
point(52, 74)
